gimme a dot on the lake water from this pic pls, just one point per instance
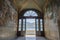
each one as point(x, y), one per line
point(30, 28)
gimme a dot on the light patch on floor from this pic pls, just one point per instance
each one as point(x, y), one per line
point(30, 36)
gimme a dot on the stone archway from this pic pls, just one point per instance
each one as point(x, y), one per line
point(40, 16)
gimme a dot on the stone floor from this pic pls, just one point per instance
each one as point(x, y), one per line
point(31, 38)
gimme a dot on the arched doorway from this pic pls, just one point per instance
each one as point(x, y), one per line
point(30, 23)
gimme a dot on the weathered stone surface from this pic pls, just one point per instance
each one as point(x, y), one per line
point(51, 25)
point(8, 22)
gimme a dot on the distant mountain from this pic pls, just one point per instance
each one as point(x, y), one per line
point(30, 24)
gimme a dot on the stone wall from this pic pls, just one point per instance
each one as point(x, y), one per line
point(59, 20)
point(8, 21)
point(51, 24)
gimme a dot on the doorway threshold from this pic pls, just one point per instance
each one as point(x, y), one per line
point(30, 35)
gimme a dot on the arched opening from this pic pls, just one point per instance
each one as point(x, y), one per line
point(30, 23)
point(30, 13)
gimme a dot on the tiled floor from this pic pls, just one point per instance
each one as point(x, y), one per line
point(31, 38)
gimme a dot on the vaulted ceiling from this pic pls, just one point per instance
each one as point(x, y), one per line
point(28, 4)
point(31, 4)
